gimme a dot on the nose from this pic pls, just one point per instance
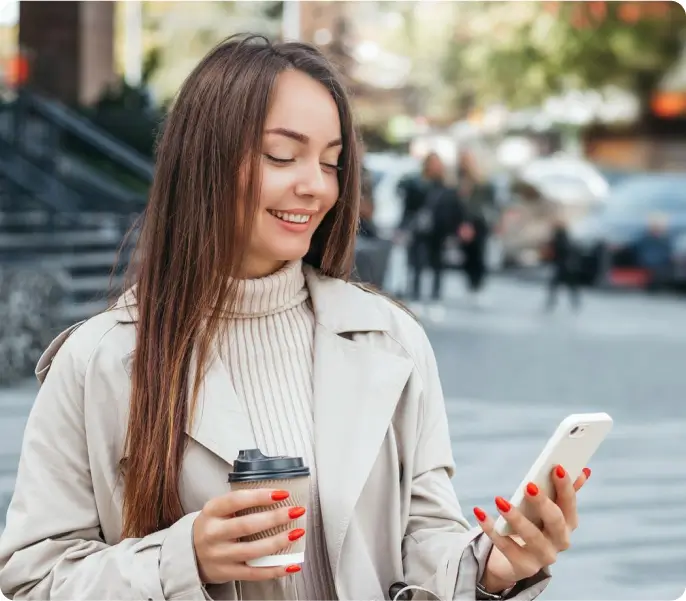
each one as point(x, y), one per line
point(311, 180)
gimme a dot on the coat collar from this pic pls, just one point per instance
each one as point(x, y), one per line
point(339, 306)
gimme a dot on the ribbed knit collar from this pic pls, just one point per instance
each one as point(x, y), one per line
point(274, 293)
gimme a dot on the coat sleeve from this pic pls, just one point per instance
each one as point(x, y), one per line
point(441, 552)
point(52, 546)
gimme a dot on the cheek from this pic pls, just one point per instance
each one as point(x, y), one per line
point(275, 185)
point(331, 197)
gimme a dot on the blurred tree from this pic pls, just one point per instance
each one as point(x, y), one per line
point(183, 32)
point(420, 31)
point(523, 52)
point(629, 44)
point(273, 10)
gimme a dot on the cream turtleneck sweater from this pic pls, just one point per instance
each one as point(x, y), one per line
point(270, 358)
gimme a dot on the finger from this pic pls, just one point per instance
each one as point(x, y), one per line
point(248, 573)
point(523, 563)
point(565, 496)
point(242, 552)
point(536, 542)
point(246, 525)
point(555, 528)
point(581, 480)
point(238, 500)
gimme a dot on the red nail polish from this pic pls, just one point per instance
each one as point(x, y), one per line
point(480, 514)
point(531, 489)
point(280, 495)
point(502, 504)
point(587, 472)
point(296, 534)
point(292, 569)
point(296, 512)
point(560, 471)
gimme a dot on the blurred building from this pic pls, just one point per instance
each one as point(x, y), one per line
point(70, 48)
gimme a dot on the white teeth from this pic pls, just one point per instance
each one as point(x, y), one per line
point(291, 217)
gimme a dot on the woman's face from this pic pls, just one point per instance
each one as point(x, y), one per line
point(299, 174)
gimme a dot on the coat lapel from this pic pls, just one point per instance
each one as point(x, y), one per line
point(357, 387)
point(219, 422)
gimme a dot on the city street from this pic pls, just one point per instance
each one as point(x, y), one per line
point(510, 374)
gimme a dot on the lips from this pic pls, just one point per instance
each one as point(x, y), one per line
point(290, 217)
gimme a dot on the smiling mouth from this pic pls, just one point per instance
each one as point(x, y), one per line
point(290, 217)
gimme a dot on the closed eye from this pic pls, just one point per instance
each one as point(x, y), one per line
point(278, 160)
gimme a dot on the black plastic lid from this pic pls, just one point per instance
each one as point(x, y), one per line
point(252, 465)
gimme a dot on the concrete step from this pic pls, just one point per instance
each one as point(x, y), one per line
point(97, 284)
point(77, 311)
point(45, 243)
point(101, 263)
point(34, 222)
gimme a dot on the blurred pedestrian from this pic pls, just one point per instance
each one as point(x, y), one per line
point(655, 252)
point(431, 213)
point(565, 262)
point(367, 227)
point(372, 252)
point(477, 197)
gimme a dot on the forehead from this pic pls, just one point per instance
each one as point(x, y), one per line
point(304, 105)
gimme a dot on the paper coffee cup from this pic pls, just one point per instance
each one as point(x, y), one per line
point(253, 470)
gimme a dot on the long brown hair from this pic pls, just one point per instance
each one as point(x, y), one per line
point(191, 248)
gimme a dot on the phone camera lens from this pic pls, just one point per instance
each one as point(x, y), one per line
point(575, 429)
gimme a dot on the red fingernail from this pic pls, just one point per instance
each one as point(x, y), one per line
point(587, 472)
point(280, 495)
point(292, 569)
point(296, 512)
point(502, 504)
point(560, 471)
point(531, 489)
point(480, 514)
point(296, 534)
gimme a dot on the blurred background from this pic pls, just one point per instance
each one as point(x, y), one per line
point(562, 127)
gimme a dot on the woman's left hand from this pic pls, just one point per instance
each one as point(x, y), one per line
point(537, 548)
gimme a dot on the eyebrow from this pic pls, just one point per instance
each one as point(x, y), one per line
point(298, 137)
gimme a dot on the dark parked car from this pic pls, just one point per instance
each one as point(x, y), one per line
point(613, 241)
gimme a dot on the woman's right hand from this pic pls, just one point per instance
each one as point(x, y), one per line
point(221, 556)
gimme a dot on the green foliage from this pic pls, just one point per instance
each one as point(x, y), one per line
point(273, 10)
point(536, 49)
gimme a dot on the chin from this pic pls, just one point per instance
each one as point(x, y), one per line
point(290, 253)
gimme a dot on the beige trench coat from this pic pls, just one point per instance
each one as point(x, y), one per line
point(382, 447)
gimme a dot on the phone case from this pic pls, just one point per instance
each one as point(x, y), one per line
point(572, 445)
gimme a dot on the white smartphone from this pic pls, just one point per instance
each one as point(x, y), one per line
point(572, 445)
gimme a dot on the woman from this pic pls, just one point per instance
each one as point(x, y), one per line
point(431, 213)
point(478, 198)
point(241, 331)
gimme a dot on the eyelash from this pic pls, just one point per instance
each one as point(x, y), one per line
point(286, 161)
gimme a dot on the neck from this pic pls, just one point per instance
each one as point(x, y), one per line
point(260, 268)
point(275, 292)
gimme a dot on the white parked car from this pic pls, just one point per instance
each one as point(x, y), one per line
point(545, 189)
point(566, 180)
